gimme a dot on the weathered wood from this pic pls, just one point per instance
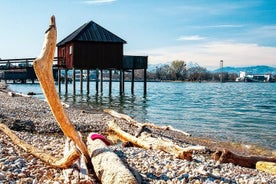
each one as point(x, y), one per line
point(141, 125)
point(148, 142)
point(269, 167)
point(226, 156)
point(107, 165)
point(43, 69)
point(65, 162)
point(123, 116)
point(79, 172)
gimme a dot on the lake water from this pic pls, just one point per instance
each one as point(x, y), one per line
point(238, 112)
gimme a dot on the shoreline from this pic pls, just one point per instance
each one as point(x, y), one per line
point(201, 113)
point(153, 166)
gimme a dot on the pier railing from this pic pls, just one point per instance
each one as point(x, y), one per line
point(19, 70)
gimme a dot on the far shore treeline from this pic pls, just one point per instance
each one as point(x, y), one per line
point(179, 70)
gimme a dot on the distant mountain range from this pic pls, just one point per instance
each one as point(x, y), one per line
point(261, 69)
point(249, 70)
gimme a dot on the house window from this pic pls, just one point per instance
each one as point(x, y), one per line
point(70, 49)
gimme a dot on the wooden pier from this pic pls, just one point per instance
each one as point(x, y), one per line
point(20, 70)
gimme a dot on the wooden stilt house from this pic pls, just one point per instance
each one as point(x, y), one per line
point(92, 47)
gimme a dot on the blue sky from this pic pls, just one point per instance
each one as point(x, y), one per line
point(239, 32)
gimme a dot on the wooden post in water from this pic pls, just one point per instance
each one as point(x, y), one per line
point(145, 82)
point(74, 81)
point(110, 81)
point(132, 82)
point(97, 80)
point(66, 81)
point(121, 82)
point(59, 81)
point(101, 81)
point(81, 81)
point(88, 81)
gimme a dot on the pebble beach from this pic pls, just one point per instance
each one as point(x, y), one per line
point(32, 121)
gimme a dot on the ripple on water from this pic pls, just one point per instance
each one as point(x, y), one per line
point(229, 111)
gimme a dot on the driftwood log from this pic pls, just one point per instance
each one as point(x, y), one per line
point(141, 125)
point(43, 69)
point(146, 141)
point(107, 165)
point(71, 156)
point(226, 156)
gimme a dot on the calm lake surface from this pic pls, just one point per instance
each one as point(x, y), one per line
point(236, 112)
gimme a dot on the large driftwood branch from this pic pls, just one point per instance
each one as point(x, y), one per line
point(71, 156)
point(107, 165)
point(142, 125)
point(148, 142)
point(226, 156)
point(43, 69)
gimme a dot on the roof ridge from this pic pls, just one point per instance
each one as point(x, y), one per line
point(91, 31)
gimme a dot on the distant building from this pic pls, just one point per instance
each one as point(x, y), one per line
point(253, 78)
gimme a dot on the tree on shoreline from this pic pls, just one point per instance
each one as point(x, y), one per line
point(178, 70)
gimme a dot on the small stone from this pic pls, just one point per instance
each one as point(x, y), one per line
point(21, 175)
point(47, 147)
point(2, 159)
point(9, 175)
point(2, 176)
point(12, 157)
point(5, 167)
point(26, 180)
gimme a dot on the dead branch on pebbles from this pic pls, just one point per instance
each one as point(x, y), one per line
point(226, 156)
point(142, 125)
point(71, 156)
point(146, 141)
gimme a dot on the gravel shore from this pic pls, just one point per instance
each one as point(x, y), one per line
point(32, 120)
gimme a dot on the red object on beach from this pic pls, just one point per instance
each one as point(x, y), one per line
point(101, 137)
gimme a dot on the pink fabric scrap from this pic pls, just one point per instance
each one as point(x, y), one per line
point(101, 137)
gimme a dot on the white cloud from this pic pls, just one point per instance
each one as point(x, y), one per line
point(210, 54)
point(98, 1)
point(190, 38)
point(265, 31)
point(225, 26)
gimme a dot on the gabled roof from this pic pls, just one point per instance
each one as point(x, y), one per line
point(91, 32)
